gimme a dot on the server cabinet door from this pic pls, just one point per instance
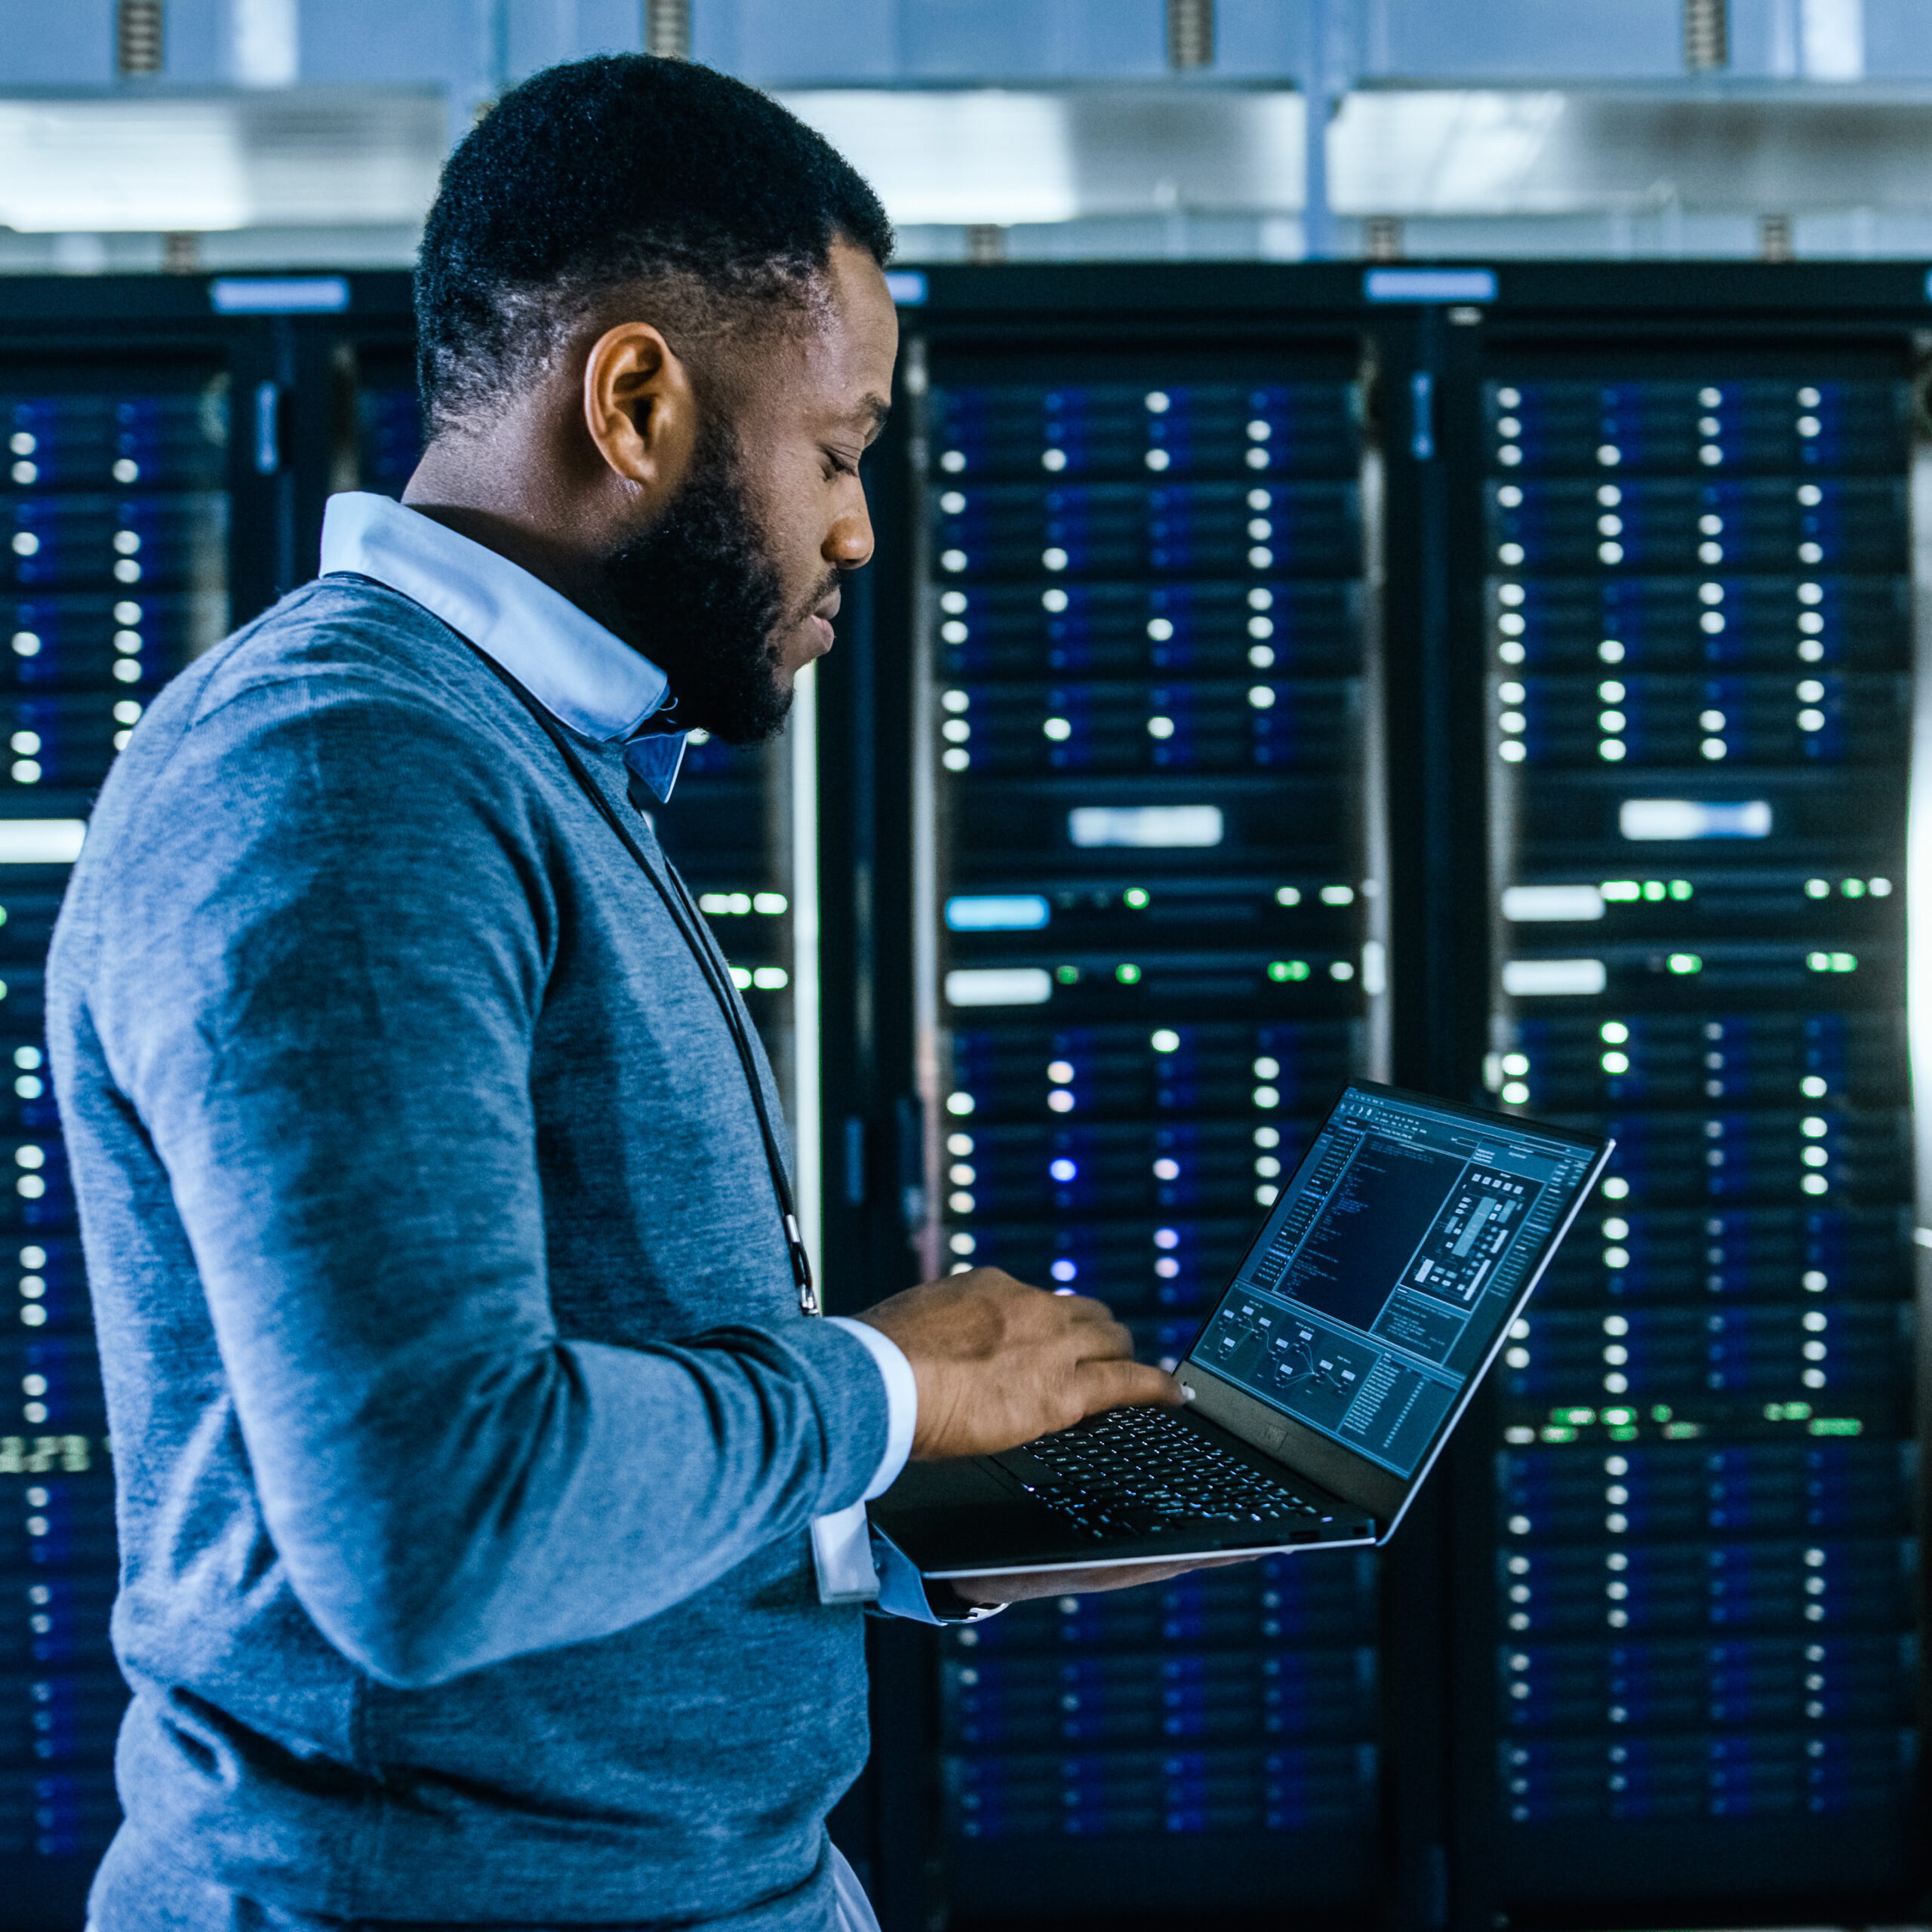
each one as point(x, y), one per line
point(1696, 580)
point(1147, 937)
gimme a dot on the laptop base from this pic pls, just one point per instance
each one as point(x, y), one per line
point(979, 1516)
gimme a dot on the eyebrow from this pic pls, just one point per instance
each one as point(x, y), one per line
point(878, 408)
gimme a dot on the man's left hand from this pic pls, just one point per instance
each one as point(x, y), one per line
point(1022, 1585)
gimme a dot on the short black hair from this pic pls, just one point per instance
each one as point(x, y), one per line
point(625, 168)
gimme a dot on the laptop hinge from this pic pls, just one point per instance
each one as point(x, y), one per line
point(1298, 1448)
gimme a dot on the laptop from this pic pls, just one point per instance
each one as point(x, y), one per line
point(1322, 1387)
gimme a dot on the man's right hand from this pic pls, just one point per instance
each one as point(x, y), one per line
point(998, 1363)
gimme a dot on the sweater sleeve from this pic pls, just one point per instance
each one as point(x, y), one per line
point(318, 978)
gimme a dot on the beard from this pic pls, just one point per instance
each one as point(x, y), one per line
point(699, 593)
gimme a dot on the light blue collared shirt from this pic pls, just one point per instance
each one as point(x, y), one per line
point(593, 681)
point(584, 676)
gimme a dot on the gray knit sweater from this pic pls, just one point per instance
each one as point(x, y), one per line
point(465, 1428)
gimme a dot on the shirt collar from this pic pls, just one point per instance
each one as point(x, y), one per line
point(581, 673)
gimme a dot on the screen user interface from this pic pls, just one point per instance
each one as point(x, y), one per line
point(1389, 1264)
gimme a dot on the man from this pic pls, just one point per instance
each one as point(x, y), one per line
point(468, 1426)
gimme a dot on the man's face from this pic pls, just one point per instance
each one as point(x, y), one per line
point(732, 591)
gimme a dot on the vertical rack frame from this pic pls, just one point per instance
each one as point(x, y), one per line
point(1918, 993)
point(923, 906)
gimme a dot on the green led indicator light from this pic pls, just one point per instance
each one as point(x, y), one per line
point(1068, 975)
point(1128, 976)
point(1837, 1425)
point(1681, 888)
point(1281, 970)
point(1620, 1418)
point(1577, 1418)
point(1136, 896)
point(1684, 962)
point(1556, 1432)
point(1787, 1411)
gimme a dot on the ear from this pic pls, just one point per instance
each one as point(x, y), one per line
point(639, 408)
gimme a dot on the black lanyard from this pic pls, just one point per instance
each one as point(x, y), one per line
point(691, 925)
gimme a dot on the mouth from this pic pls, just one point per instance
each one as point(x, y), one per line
point(818, 625)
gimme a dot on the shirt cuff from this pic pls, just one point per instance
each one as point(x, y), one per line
point(902, 1400)
point(902, 1592)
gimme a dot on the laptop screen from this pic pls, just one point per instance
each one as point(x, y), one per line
point(1388, 1266)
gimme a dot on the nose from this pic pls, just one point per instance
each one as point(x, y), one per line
point(849, 543)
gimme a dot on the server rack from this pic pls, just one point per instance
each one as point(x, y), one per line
point(1133, 614)
point(170, 443)
point(1698, 615)
point(116, 507)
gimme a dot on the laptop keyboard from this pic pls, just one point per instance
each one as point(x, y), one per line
point(1142, 1471)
